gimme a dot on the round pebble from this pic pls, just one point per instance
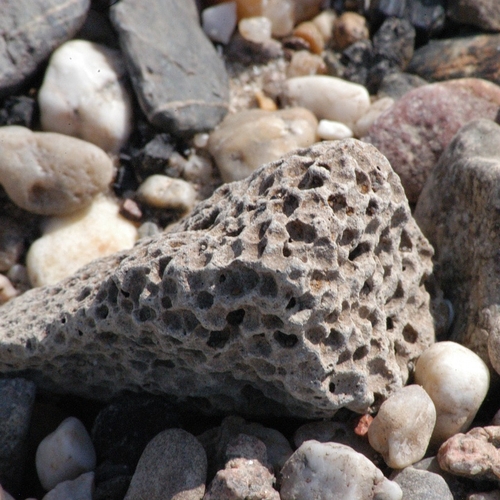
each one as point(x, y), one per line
point(457, 381)
point(311, 34)
point(324, 22)
point(255, 29)
point(83, 95)
point(65, 454)
point(161, 191)
point(219, 21)
point(330, 130)
point(362, 126)
point(349, 28)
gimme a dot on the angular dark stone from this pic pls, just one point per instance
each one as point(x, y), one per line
point(30, 30)
point(180, 91)
point(153, 158)
point(394, 41)
point(19, 110)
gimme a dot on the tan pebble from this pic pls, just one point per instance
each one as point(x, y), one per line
point(161, 191)
point(279, 12)
point(265, 102)
point(324, 22)
point(130, 210)
point(7, 290)
point(368, 119)
point(255, 29)
point(306, 9)
point(309, 32)
point(303, 63)
point(349, 28)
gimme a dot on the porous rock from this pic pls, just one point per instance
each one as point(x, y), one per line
point(299, 290)
point(460, 193)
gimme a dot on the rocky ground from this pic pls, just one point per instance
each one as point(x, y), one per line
point(326, 326)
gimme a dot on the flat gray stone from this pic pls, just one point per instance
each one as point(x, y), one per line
point(29, 31)
point(179, 79)
point(422, 485)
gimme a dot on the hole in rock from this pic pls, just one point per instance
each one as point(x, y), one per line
point(331, 387)
point(291, 303)
point(162, 265)
point(218, 339)
point(410, 334)
point(101, 312)
point(361, 249)
point(266, 184)
point(299, 231)
point(337, 202)
point(235, 318)
point(290, 204)
point(286, 251)
point(312, 179)
point(285, 340)
point(360, 353)
point(389, 323)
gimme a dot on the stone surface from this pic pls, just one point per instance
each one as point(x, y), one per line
point(83, 95)
point(7, 289)
point(330, 130)
point(4, 495)
point(422, 485)
point(462, 57)
point(31, 30)
point(81, 488)
point(64, 454)
point(396, 85)
point(180, 91)
point(173, 466)
point(38, 174)
point(460, 192)
point(219, 21)
point(161, 191)
point(321, 471)
point(248, 139)
point(417, 129)
point(16, 404)
point(255, 29)
point(484, 14)
point(311, 34)
point(474, 455)
point(362, 126)
point(18, 110)
point(402, 429)
point(70, 242)
point(457, 380)
point(490, 495)
point(300, 290)
point(349, 28)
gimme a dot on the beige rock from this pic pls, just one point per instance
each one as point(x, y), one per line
point(303, 63)
point(330, 130)
point(362, 126)
point(324, 22)
point(83, 95)
point(161, 191)
point(255, 29)
point(402, 429)
point(311, 34)
point(248, 139)
point(7, 290)
point(348, 28)
point(70, 242)
point(328, 97)
point(51, 174)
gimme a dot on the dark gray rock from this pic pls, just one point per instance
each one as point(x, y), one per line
point(484, 14)
point(30, 30)
point(180, 91)
point(422, 485)
point(16, 404)
point(396, 85)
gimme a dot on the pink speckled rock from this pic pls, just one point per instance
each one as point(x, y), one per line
point(415, 131)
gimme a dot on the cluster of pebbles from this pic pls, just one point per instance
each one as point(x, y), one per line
point(117, 118)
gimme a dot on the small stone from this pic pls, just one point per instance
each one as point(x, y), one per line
point(279, 12)
point(484, 14)
point(70, 242)
point(7, 290)
point(357, 60)
point(325, 22)
point(265, 103)
point(160, 191)
point(457, 381)
point(130, 210)
point(65, 454)
point(330, 130)
point(303, 63)
point(311, 34)
point(154, 156)
point(396, 85)
point(12, 236)
point(255, 29)
point(348, 28)
point(422, 485)
point(322, 471)
point(248, 139)
point(328, 97)
point(219, 21)
point(362, 126)
point(173, 466)
point(81, 488)
point(490, 495)
point(83, 95)
point(38, 174)
point(400, 432)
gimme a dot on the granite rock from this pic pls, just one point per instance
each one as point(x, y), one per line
point(422, 485)
point(416, 130)
point(180, 91)
point(300, 290)
point(31, 30)
point(484, 14)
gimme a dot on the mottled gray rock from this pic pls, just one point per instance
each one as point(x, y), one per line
point(30, 31)
point(484, 14)
point(181, 91)
point(396, 85)
point(422, 485)
point(173, 466)
point(16, 404)
point(458, 211)
point(299, 290)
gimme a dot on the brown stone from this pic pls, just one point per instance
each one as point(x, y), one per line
point(484, 14)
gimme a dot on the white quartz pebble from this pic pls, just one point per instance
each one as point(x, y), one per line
point(83, 95)
point(402, 429)
point(255, 29)
point(330, 130)
point(322, 471)
point(368, 119)
point(161, 191)
point(70, 242)
point(457, 380)
point(219, 22)
point(81, 488)
point(64, 454)
point(328, 97)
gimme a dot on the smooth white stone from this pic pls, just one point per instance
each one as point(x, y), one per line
point(368, 119)
point(65, 454)
point(331, 131)
point(81, 488)
point(161, 191)
point(457, 381)
point(219, 22)
point(402, 429)
point(322, 471)
point(255, 29)
point(328, 97)
point(83, 95)
point(324, 22)
point(70, 242)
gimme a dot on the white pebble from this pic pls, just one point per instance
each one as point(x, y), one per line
point(368, 119)
point(457, 380)
point(255, 29)
point(161, 191)
point(330, 130)
point(200, 140)
point(197, 169)
point(219, 21)
point(64, 454)
point(70, 242)
point(81, 488)
point(324, 22)
point(328, 97)
point(402, 429)
point(83, 95)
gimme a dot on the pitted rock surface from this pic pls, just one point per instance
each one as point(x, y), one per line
point(299, 290)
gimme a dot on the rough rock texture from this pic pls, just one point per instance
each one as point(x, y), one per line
point(463, 192)
point(179, 91)
point(303, 284)
point(422, 485)
point(31, 30)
